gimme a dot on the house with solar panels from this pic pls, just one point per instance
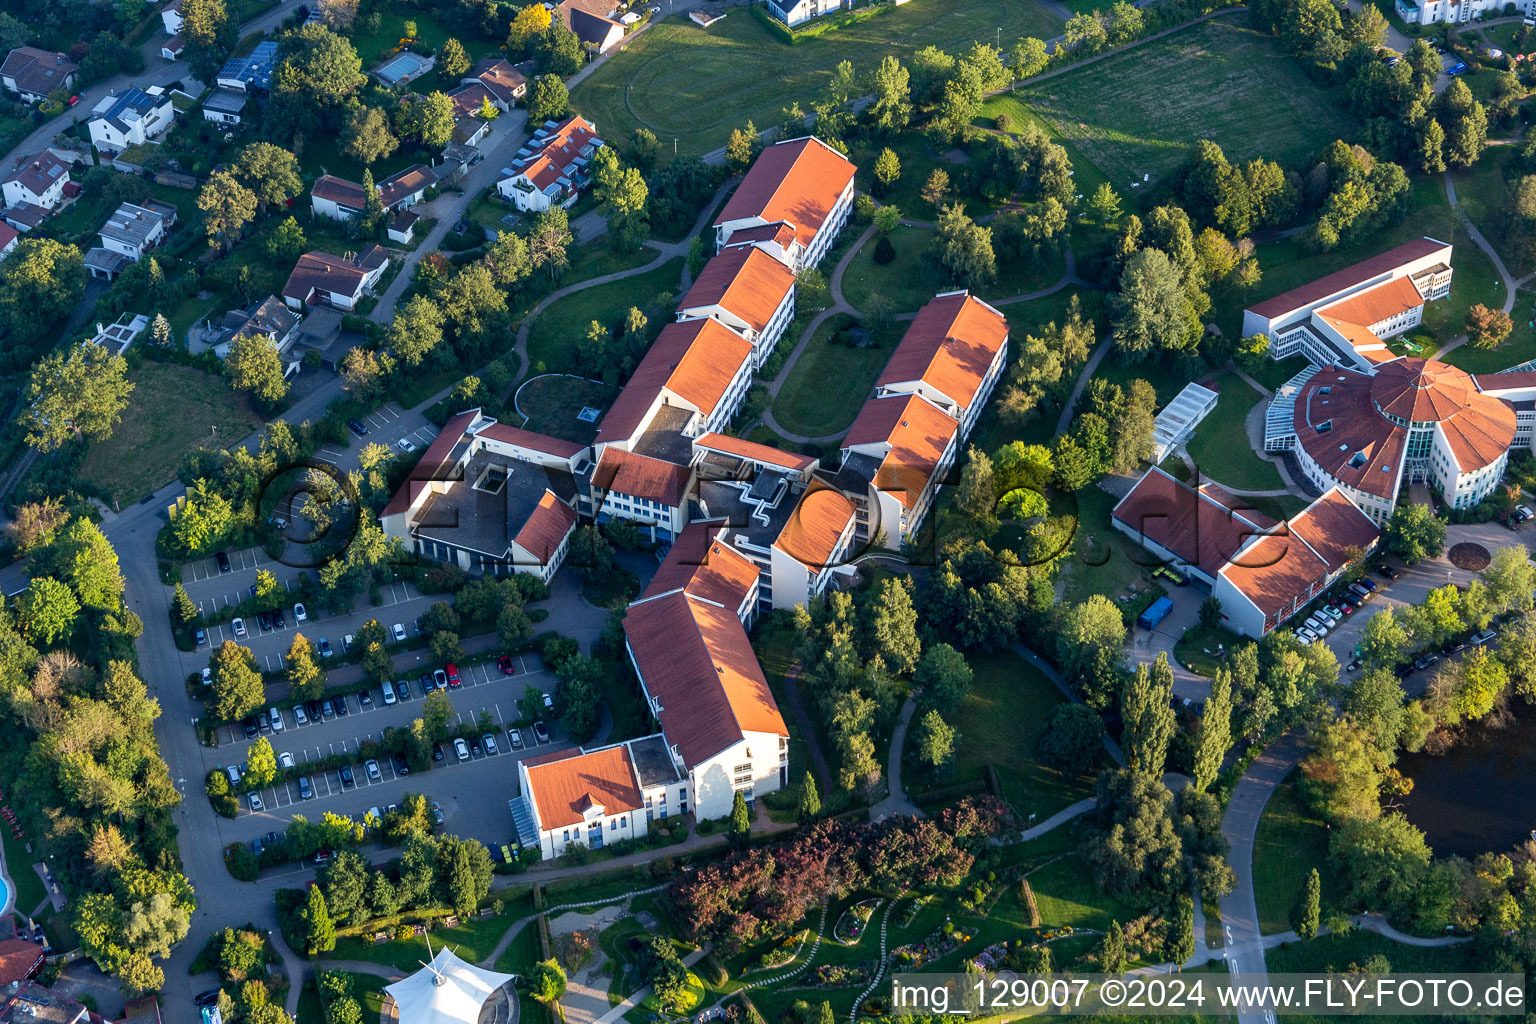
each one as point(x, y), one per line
point(553, 166)
point(251, 73)
point(130, 118)
point(33, 189)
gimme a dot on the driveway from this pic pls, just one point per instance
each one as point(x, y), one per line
point(1146, 644)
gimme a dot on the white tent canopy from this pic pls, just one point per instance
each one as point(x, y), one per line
point(446, 991)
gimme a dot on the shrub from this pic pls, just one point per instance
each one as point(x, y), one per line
point(241, 862)
point(885, 252)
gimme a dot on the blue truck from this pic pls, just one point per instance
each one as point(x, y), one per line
point(1155, 613)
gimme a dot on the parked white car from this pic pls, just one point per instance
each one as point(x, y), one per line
point(299, 615)
point(276, 717)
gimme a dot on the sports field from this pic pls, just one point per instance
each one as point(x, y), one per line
point(1139, 112)
point(695, 85)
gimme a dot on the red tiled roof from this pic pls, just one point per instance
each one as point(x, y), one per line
point(781, 234)
point(744, 281)
point(564, 784)
point(753, 451)
point(468, 98)
point(641, 476)
point(705, 567)
point(504, 80)
point(1374, 305)
point(37, 71)
point(797, 182)
point(508, 434)
point(560, 149)
point(1336, 426)
point(1478, 427)
point(547, 527)
point(403, 184)
point(8, 235)
point(431, 462)
point(1519, 380)
point(339, 190)
point(1201, 529)
point(810, 536)
point(949, 347)
point(18, 959)
point(695, 659)
point(1275, 571)
point(1349, 277)
point(322, 271)
point(696, 360)
point(917, 432)
point(1332, 525)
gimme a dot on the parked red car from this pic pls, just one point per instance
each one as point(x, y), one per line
point(453, 676)
point(505, 664)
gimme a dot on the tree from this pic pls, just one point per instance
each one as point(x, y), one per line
point(935, 741)
point(1071, 738)
point(936, 189)
point(253, 365)
point(546, 981)
point(742, 148)
point(1305, 914)
point(531, 22)
point(548, 241)
point(578, 694)
point(285, 243)
point(227, 206)
point(625, 194)
point(891, 625)
point(1215, 737)
point(417, 329)
point(1029, 57)
point(741, 821)
point(810, 799)
point(260, 763)
point(209, 35)
point(887, 169)
point(366, 137)
point(1180, 930)
point(943, 678)
point(1488, 328)
point(507, 259)
point(1105, 203)
point(1415, 533)
point(1111, 956)
point(82, 391)
point(977, 497)
point(891, 106)
point(271, 172)
point(1145, 707)
point(306, 680)
point(548, 99)
point(964, 247)
point(1090, 646)
point(42, 280)
point(428, 118)
point(1151, 312)
point(47, 610)
point(319, 69)
point(138, 974)
point(317, 920)
point(160, 331)
point(1085, 33)
point(237, 689)
point(558, 50)
point(452, 61)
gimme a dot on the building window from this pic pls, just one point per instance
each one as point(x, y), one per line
point(567, 836)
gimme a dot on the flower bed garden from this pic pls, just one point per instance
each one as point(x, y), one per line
point(850, 927)
point(783, 954)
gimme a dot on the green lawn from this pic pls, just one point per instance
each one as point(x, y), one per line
point(430, 35)
point(1519, 347)
point(829, 382)
point(919, 158)
point(1218, 447)
point(1067, 895)
point(1085, 173)
point(1330, 953)
point(1139, 112)
point(1290, 842)
point(18, 864)
point(1103, 560)
point(1272, 374)
point(553, 337)
point(173, 409)
point(914, 277)
point(473, 939)
point(999, 724)
point(1199, 648)
point(552, 406)
point(695, 85)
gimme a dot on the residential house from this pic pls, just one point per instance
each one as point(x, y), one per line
point(505, 83)
point(20, 959)
point(340, 199)
point(320, 277)
point(130, 118)
point(32, 74)
point(251, 73)
point(490, 498)
point(172, 48)
point(595, 22)
point(270, 318)
point(797, 195)
point(33, 189)
point(552, 167)
point(595, 797)
point(749, 290)
point(814, 546)
point(170, 17)
point(467, 99)
point(703, 683)
point(27, 1002)
point(134, 229)
point(952, 355)
point(225, 106)
point(8, 236)
point(797, 12)
point(1452, 12)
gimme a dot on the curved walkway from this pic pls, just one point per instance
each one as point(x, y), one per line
point(897, 802)
point(1065, 420)
point(1254, 427)
point(1505, 277)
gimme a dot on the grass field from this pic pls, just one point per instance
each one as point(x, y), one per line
point(553, 337)
point(29, 889)
point(829, 382)
point(914, 277)
point(1330, 953)
point(1103, 560)
point(1138, 113)
point(1290, 842)
point(1217, 446)
point(473, 939)
point(695, 85)
point(1519, 347)
point(919, 158)
point(998, 724)
point(173, 409)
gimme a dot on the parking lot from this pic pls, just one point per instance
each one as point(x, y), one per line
point(386, 425)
